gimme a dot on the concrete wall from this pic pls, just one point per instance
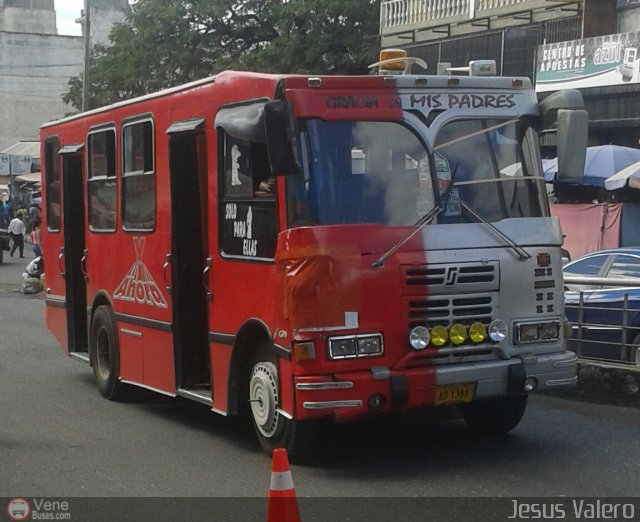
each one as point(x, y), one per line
point(19, 20)
point(629, 20)
point(29, 4)
point(36, 64)
point(34, 74)
point(104, 14)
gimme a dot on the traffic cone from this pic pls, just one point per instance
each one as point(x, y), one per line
point(283, 506)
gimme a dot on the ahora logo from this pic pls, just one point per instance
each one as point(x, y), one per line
point(138, 286)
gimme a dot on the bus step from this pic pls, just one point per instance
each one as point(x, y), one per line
point(200, 394)
point(82, 356)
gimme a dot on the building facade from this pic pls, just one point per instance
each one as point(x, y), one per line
point(36, 63)
point(513, 33)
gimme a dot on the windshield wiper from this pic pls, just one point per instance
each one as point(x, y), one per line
point(424, 220)
point(522, 253)
point(418, 225)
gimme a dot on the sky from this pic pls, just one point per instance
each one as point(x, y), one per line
point(66, 13)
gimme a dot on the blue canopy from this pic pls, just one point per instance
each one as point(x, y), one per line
point(601, 163)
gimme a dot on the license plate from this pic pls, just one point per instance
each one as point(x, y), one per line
point(454, 393)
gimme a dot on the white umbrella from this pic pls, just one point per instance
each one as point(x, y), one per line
point(515, 169)
point(619, 179)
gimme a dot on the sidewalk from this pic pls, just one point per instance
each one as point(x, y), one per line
point(12, 268)
point(605, 383)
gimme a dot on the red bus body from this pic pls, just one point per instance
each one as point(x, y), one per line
point(181, 266)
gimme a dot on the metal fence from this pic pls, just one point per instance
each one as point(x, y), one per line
point(606, 330)
point(514, 48)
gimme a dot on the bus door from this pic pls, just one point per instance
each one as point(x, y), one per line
point(189, 265)
point(71, 257)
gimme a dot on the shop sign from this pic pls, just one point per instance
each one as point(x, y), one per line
point(591, 62)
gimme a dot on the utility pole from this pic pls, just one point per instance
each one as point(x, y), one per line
point(87, 49)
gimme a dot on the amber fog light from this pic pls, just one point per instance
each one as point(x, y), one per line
point(439, 335)
point(458, 334)
point(477, 332)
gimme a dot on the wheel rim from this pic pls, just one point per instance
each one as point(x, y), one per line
point(635, 356)
point(263, 394)
point(103, 360)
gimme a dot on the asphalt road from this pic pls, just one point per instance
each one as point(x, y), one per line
point(59, 438)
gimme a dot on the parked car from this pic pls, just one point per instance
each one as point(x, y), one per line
point(4, 243)
point(602, 300)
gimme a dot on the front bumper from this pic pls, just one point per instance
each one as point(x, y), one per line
point(362, 393)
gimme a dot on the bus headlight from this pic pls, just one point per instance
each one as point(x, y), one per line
point(537, 332)
point(342, 347)
point(498, 330)
point(370, 345)
point(350, 346)
point(419, 338)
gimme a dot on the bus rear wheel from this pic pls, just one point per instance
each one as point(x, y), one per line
point(103, 352)
point(273, 429)
point(495, 416)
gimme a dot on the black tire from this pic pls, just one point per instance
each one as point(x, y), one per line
point(495, 416)
point(1, 255)
point(273, 429)
point(104, 355)
point(633, 351)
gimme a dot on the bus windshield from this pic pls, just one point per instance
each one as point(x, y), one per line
point(495, 168)
point(381, 172)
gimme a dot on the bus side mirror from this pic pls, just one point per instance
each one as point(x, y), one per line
point(571, 141)
point(281, 138)
point(564, 110)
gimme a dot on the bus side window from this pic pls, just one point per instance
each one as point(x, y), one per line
point(138, 176)
point(248, 210)
point(102, 180)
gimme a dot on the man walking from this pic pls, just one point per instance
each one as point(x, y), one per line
point(17, 230)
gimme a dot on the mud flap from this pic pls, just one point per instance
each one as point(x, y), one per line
point(517, 377)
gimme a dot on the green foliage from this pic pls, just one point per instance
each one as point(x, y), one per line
point(164, 43)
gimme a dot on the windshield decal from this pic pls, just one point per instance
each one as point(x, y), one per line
point(138, 285)
point(351, 102)
point(455, 101)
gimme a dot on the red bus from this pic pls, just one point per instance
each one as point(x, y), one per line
point(312, 248)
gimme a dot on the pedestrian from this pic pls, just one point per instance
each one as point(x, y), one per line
point(34, 212)
point(6, 214)
point(35, 240)
point(23, 214)
point(17, 229)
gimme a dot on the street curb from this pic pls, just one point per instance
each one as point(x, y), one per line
point(605, 383)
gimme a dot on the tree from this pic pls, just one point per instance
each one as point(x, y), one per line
point(321, 37)
point(169, 42)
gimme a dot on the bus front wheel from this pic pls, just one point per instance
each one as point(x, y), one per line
point(103, 346)
point(495, 416)
point(273, 429)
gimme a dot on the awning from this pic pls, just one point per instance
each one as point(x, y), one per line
point(34, 177)
point(619, 179)
point(24, 148)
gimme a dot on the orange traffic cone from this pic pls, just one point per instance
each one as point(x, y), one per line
point(283, 506)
